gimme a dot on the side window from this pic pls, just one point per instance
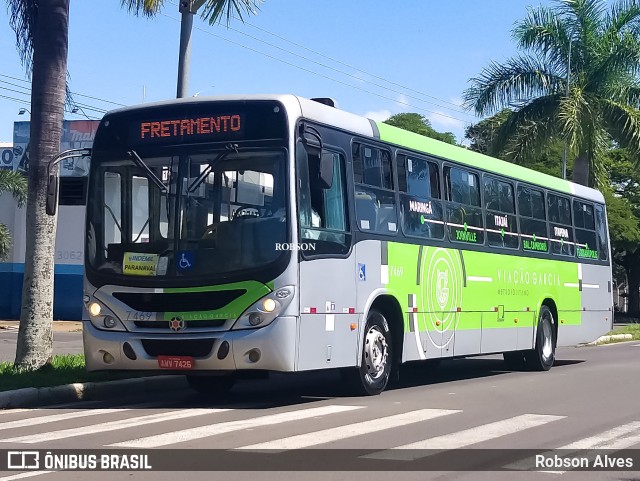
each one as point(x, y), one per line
point(323, 212)
point(463, 211)
point(601, 231)
point(586, 244)
point(502, 225)
point(560, 226)
point(374, 195)
point(420, 203)
point(372, 166)
point(533, 224)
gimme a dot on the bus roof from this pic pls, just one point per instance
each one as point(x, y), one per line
point(300, 106)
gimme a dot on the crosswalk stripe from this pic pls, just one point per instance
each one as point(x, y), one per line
point(30, 474)
point(113, 425)
point(20, 423)
point(14, 411)
point(620, 437)
point(229, 426)
point(467, 437)
point(350, 430)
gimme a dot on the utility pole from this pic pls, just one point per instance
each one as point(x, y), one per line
point(564, 156)
point(188, 8)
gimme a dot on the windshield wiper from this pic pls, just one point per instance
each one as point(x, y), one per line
point(230, 148)
point(136, 158)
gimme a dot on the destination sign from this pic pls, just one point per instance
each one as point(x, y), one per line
point(196, 128)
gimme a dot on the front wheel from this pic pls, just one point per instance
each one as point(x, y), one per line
point(212, 387)
point(376, 364)
point(543, 356)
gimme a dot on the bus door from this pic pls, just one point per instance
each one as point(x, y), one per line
point(327, 281)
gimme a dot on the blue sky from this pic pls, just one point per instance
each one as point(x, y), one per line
point(428, 49)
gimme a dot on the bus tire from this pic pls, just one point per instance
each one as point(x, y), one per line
point(212, 387)
point(515, 360)
point(376, 364)
point(543, 356)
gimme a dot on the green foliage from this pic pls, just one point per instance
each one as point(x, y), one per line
point(577, 82)
point(64, 369)
point(212, 10)
point(15, 184)
point(419, 124)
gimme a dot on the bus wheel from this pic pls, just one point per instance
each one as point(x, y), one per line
point(212, 387)
point(514, 360)
point(543, 356)
point(372, 376)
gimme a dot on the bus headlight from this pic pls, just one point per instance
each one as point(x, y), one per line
point(95, 309)
point(103, 318)
point(265, 310)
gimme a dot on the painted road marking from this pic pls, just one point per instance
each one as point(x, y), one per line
point(230, 426)
point(113, 425)
point(350, 430)
point(621, 437)
point(20, 423)
point(467, 437)
point(24, 475)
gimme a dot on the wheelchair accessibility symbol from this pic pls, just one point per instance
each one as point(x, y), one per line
point(185, 260)
point(362, 274)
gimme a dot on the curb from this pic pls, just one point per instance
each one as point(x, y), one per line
point(613, 337)
point(89, 391)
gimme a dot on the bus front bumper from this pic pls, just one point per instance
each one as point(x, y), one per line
point(269, 348)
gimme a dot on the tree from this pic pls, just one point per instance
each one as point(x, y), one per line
point(42, 28)
point(420, 125)
point(623, 210)
point(483, 134)
point(598, 50)
point(15, 184)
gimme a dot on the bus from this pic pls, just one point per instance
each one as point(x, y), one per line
point(276, 233)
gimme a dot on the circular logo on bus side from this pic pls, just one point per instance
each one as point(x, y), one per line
point(176, 324)
point(441, 293)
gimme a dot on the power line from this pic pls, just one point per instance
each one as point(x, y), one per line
point(88, 107)
point(455, 108)
point(73, 93)
point(319, 74)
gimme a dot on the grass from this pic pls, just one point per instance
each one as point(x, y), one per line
point(65, 369)
point(633, 329)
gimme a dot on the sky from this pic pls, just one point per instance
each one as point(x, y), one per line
point(374, 58)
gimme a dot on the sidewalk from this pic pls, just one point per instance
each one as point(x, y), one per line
point(58, 326)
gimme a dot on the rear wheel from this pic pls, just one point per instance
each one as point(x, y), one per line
point(372, 377)
point(212, 387)
point(543, 356)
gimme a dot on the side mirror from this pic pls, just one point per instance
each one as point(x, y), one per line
point(326, 171)
point(52, 195)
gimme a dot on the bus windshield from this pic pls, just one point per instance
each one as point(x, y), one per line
point(198, 215)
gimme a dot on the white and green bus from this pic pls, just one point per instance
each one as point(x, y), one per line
point(277, 233)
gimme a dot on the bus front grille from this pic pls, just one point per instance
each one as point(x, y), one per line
point(188, 324)
point(178, 301)
point(178, 347)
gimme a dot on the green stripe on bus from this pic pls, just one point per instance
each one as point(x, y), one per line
point(467, 157)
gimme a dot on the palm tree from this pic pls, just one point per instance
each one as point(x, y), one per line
point(14, 183)
point(42, 32)
point(578, 84)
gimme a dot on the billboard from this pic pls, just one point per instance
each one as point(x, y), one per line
point(76, 134)
point(6, 156)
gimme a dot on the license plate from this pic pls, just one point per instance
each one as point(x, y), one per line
point(175, 362)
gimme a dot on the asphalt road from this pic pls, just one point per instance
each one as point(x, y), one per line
point(63, 343)
point(590, 398)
